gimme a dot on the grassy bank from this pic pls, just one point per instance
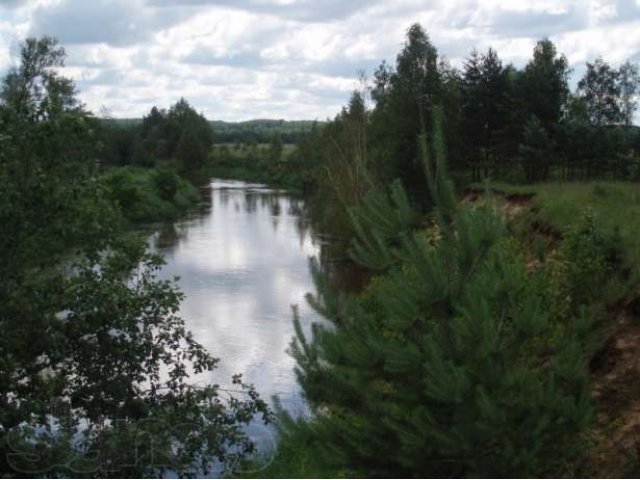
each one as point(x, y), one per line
point(277, 178)
point(615, 205)
point(548, 211)
point(296, 456)
point(150, 194)
point(258, 162)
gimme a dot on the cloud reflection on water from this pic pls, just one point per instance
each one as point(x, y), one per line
point(242, 263)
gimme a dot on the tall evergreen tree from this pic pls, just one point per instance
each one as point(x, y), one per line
point(484, 91)
point(545, 84)
point(535, 151)
point(450, 363)
point(450, 102)
point(514, 114)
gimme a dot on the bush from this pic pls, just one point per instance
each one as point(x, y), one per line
point(147, 195)
point(584, 265)
point(166, 182)
point(123, 187)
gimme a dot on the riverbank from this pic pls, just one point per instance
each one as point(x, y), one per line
point(541, 219)
point(270, 163)
point(276, 179)
point(150, 194)
point(542, 214)
point(558, 206)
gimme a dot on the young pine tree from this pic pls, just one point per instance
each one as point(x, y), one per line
point(449, 363)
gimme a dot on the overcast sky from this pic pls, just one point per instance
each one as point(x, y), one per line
point(292, 59)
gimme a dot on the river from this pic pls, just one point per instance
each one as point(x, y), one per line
point(242, 258)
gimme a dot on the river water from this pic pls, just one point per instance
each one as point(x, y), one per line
point(242, 259)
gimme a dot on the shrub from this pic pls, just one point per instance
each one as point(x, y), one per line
point(166, 182)
point(147, 195)
point(584, 265)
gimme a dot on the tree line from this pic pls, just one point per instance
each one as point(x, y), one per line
point(499, 122)
point(179, 134)
point(260, 131)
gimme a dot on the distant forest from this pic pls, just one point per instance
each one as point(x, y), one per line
point(258, 131)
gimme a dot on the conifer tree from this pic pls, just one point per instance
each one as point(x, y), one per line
point(484, 89)
point(449, 364)
point(535, 151)
point(544, 86)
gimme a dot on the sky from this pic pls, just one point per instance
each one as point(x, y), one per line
point(292, 59)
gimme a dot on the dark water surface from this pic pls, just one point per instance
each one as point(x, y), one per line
point(243, 260)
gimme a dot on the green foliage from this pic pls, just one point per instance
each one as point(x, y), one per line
point(38, 212)
point(296, 455)
point(95, 361)
point(275, 149)
point(535, 151)
point(180, 134)
point(35, 91)
point(609, 94)
point(629, 85)
point(195, 136)
point(484, 88)
point(404, 107)
point(261, 131)
point(341, 179)
point(146, 195)
point(450, 363)
point(166, 181)
point(600, 91)
point(586, 262)
point(264, 163)
point(487, 107)
point(545, 84)
point(615, 207)
point(117, 141)
point(113, 369)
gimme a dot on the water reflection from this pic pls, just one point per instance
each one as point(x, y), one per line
point(242, 260)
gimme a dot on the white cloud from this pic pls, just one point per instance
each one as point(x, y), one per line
point(290, 58)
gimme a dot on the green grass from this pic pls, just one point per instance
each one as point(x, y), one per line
point(141, 198)
point(296, 456)
point(616, 205)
